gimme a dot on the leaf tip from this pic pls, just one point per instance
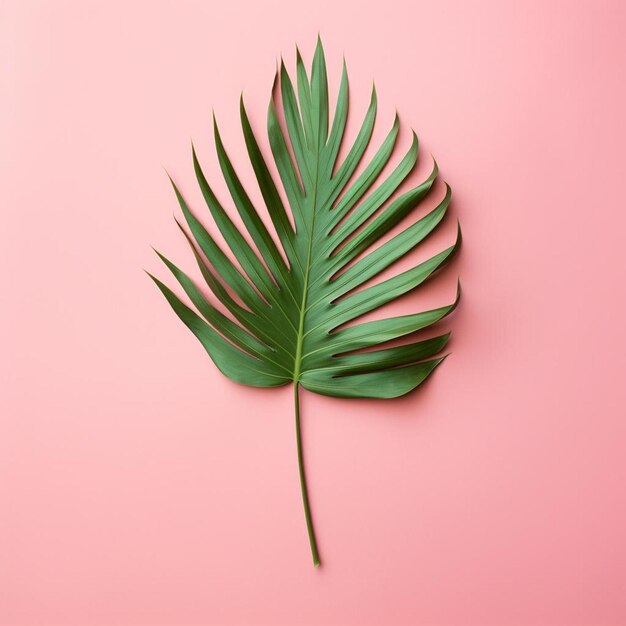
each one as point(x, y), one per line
point(157, 253)
point(319, 51)
point(194, 158)
point(243, 114)
point(170, 177)
point(435, 171)
point(153, 277)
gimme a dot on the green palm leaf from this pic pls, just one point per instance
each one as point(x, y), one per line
point(291, 304)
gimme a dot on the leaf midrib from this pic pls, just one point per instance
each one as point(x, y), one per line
point(307, 270)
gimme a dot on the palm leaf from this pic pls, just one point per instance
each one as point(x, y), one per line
point(292, 304)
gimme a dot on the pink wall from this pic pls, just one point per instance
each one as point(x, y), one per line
point(138, 486)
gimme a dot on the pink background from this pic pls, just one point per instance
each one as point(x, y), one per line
point(139, 486)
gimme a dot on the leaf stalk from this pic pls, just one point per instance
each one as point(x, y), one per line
point(303, 487)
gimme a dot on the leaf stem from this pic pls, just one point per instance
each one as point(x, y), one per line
point(305, 495)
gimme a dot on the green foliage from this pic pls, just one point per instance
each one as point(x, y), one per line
point(292, 306)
